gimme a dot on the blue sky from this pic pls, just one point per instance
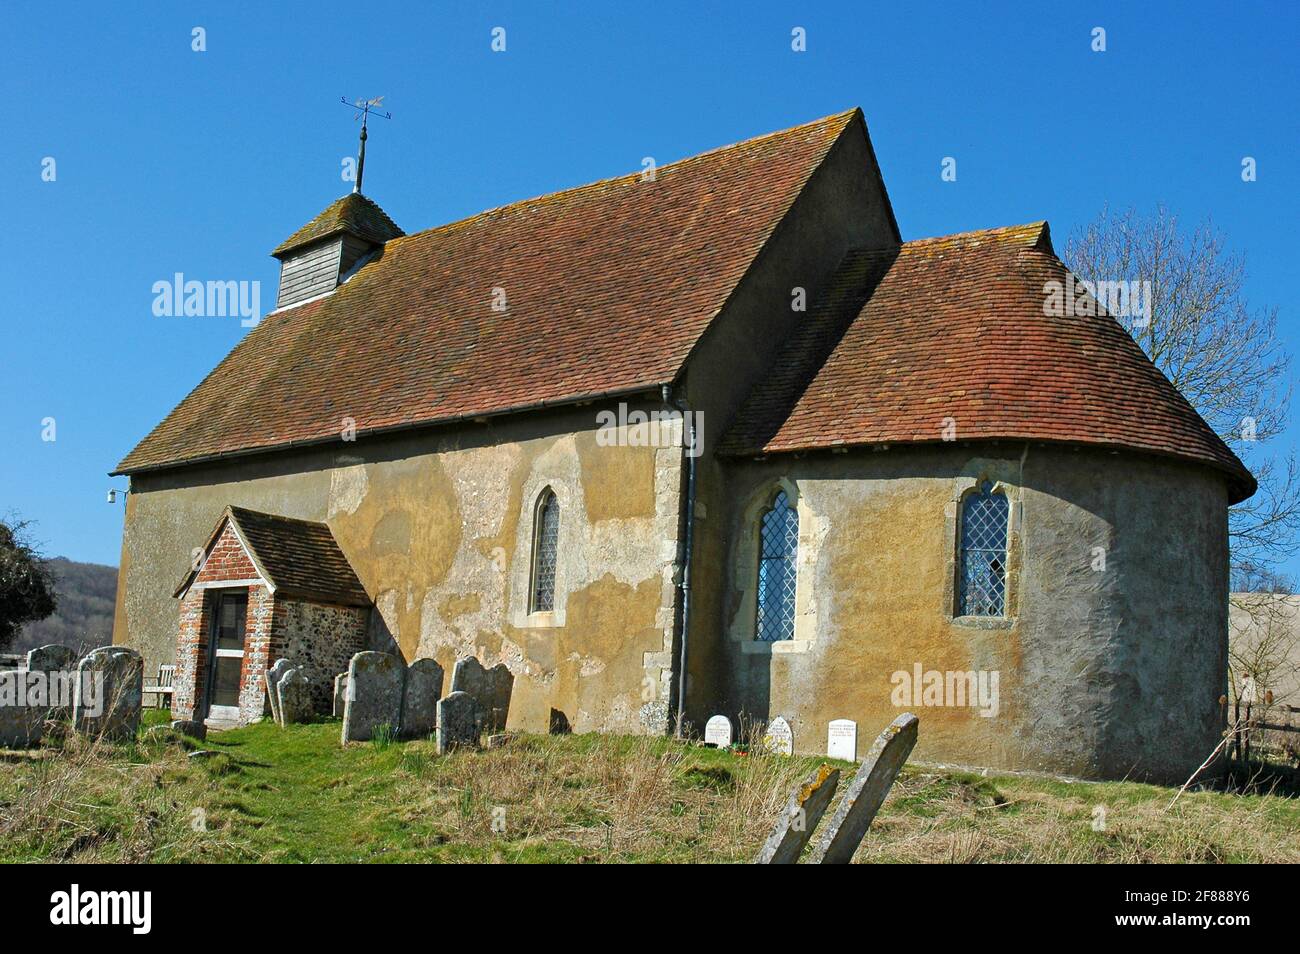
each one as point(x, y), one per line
point(170, 160)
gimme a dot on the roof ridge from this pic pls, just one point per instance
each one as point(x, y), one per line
point(520, 204)
point(998, 231)
point(276, 516)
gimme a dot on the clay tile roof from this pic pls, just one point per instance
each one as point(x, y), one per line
point(355, 214)
point(955, 327)
point(299, 558)
point(608, 287)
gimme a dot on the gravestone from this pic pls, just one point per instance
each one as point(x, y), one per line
point(294, 690)
point(273, 677)
point(110, 684)
point(717, 731)
point(21, 725)
point(36, 694)
point(842, 740)
point(457, 722)
point(59, 665)
point(374, 695)
point(420, 698)
point(866, 793)
point(779, 738)
point(490, 689)
point(340, 695)
point(799, 819)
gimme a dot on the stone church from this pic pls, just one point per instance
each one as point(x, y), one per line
point(710, 438)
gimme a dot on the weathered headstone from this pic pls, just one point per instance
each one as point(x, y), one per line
point(490, 689)
point(799, 819)
point(51, 658)
point(420, 698)
point(21, 724)
point(779, 738)
point(717, 731)
point(110, 685)
point(374, 695)
point(458, 723)
point(31, 696)
point(866, 793)
point(58, 664)
point(294, 690)
point(273, 677)
point(842, 740)
point(340, 695)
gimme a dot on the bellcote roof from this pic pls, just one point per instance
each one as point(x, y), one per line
point(354, 214)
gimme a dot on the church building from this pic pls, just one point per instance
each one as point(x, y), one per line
point(710, 438)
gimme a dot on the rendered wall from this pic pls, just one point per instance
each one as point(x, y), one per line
point(1108, 673)
point(439, 530)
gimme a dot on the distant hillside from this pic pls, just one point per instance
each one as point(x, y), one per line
point(84, 618)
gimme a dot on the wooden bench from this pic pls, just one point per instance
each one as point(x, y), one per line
point(162, 685)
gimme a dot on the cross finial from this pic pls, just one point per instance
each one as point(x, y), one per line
point(364, 108)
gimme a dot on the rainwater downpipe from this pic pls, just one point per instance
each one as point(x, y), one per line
point(689, 453)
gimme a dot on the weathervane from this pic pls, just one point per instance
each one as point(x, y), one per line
point(364, 108)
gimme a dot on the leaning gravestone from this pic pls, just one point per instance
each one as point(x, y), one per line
point(273, 677)
point(296, 703)
point(490, 689)
point(800, 818)
point(457, 722)
point(779, 738)
point(374, 696)
point(110, 683)
point(842, 740)
point(420, 698)
point(340, 694)
point(866, 793)
point(717, 731)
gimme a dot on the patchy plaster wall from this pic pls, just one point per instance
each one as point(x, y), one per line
point(438, 529)
point(843, 207)
point(1103, 673)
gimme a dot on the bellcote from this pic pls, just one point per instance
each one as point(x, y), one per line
point(315, 259)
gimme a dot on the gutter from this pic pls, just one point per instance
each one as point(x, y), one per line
point(684, 564)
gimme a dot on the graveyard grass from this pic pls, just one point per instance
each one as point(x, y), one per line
point(295, 795)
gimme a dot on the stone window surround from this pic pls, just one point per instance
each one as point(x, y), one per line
point(544, 496)
point(744, 625)
point(521, 575)
point(962, 488)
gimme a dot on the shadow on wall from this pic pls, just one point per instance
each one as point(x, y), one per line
point(378, 637)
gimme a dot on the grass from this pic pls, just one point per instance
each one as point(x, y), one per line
point(265, 794)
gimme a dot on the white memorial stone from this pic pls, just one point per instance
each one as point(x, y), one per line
point(842, 740)
point(779, 738)
point(717, 731)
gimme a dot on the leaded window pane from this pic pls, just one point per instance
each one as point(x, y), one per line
point(545, 549)
point(984, 517)
point(779, 547)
